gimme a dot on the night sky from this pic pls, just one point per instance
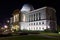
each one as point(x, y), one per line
point(7, 7)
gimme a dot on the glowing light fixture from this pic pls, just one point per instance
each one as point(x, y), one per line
point(5, 26)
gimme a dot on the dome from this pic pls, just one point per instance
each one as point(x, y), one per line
point(27, 8)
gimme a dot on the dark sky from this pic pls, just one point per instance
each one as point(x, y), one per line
point(7, 7)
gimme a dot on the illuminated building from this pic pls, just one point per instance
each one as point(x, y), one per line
point(39, 19)
point(29, 18)
point(14, 21)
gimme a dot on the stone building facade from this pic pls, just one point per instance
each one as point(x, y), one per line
point(36, 20)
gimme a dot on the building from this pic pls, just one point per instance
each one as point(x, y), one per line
point(36, 20)
point(39, 19)
point(14, 21)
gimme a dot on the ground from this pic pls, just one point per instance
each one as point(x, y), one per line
point(32, 37)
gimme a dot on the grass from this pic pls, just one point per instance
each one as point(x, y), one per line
point(50, 34)
point(28, 37)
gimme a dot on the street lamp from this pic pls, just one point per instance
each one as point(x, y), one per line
point(5, 26)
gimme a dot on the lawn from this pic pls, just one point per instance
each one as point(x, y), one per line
point(28, 37)
point(50, 34)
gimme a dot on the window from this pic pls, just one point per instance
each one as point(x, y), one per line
point(42, 28)
point(46, 27)
point(36, 28)
point(42, 22)
point(29, 28)
point(29, 18)
point(34, 17)
point(39, 27)
point(36, 23)
point(31, 23)
point(39, 23)
point(39, 16)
